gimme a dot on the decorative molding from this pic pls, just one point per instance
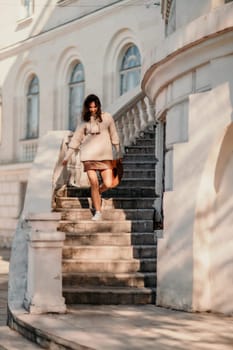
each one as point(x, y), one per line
point(58, 30)
point(184, 50)
point(65, 2)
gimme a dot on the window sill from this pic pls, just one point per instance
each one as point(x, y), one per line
point(31, 139)
point(24, 21)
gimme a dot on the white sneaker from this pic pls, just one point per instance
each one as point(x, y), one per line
point(97, 216)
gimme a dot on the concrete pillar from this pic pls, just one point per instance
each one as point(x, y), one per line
point(44, 281)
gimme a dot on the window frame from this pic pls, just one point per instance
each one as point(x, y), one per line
point(26, 10)
point(30, 97)
point(72, 84)
point(126, 71)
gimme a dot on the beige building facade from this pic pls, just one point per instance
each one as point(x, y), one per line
point(55, 50)
point(189, 78)
point(52, 55)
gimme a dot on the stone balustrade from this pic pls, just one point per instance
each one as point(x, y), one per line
point(133, 112)
point(27, 150)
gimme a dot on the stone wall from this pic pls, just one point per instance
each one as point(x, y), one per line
point(191, 84)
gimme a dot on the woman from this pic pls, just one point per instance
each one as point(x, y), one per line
point(95, 138)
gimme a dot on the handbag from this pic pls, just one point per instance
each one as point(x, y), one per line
point(117, 171)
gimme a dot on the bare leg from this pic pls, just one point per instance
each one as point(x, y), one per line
point(95, 194)
point(107, 180)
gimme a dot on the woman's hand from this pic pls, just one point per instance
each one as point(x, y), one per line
point(118, 151)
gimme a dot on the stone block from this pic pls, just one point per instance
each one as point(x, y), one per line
point(44, 281)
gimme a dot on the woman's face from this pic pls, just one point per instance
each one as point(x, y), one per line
point(93, 108)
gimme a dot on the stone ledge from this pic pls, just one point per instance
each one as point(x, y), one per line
point(11, 340)
point(38, 336)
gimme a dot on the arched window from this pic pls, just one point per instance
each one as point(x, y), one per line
point(32, 127)
point(130, 69)
point(76, 95)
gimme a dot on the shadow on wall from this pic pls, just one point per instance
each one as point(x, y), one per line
point(221, 249)
point(214, 221)
point(189, 269)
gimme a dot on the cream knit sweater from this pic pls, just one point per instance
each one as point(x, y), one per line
point(95, 140)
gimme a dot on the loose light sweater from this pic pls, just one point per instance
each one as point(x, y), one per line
point(94, 139)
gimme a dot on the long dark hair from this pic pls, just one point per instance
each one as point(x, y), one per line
point(85, 111)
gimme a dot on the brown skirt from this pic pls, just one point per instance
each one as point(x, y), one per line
point(97, 165)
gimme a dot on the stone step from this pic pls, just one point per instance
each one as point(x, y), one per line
point(137, 279)
point(140, 164)
point(139, 173)
point(107, 203)
point(128, 203)
point(130, 192)
point(136, 149)
point(145, 142)
point(108, 214)
point(106, 226)
point(105, 238)
point(109, 296)
point(137, 182)
point(138, 156)
point(110, 252)
point(12, 340)
point(112, 266)
point(113, 261)
point(148, 134)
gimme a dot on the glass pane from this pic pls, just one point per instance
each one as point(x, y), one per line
point(26, 7)
point(130, 73)
point(129, 80)
point(131, 58)
point(75, 108)
point(33, 117)
point(34, 86)
point(77, 74)
point(32, 127)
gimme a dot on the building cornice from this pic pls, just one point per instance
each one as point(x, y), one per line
point(15, 167)
point(60, 30)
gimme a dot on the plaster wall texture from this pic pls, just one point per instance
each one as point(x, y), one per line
point(44, 16)
point(185, 270)
point(187, 11)
point(191, 85)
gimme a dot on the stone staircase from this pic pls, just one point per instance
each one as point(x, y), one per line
point(113, 261)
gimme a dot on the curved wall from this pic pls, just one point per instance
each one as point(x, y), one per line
point(189, 79)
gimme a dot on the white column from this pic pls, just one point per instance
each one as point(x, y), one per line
point(44, 282)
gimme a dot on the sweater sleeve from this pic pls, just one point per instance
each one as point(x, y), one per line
point(113, 132)
point(76, 141)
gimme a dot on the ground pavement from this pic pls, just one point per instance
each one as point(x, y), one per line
point(118, 327)
point(9, 340)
